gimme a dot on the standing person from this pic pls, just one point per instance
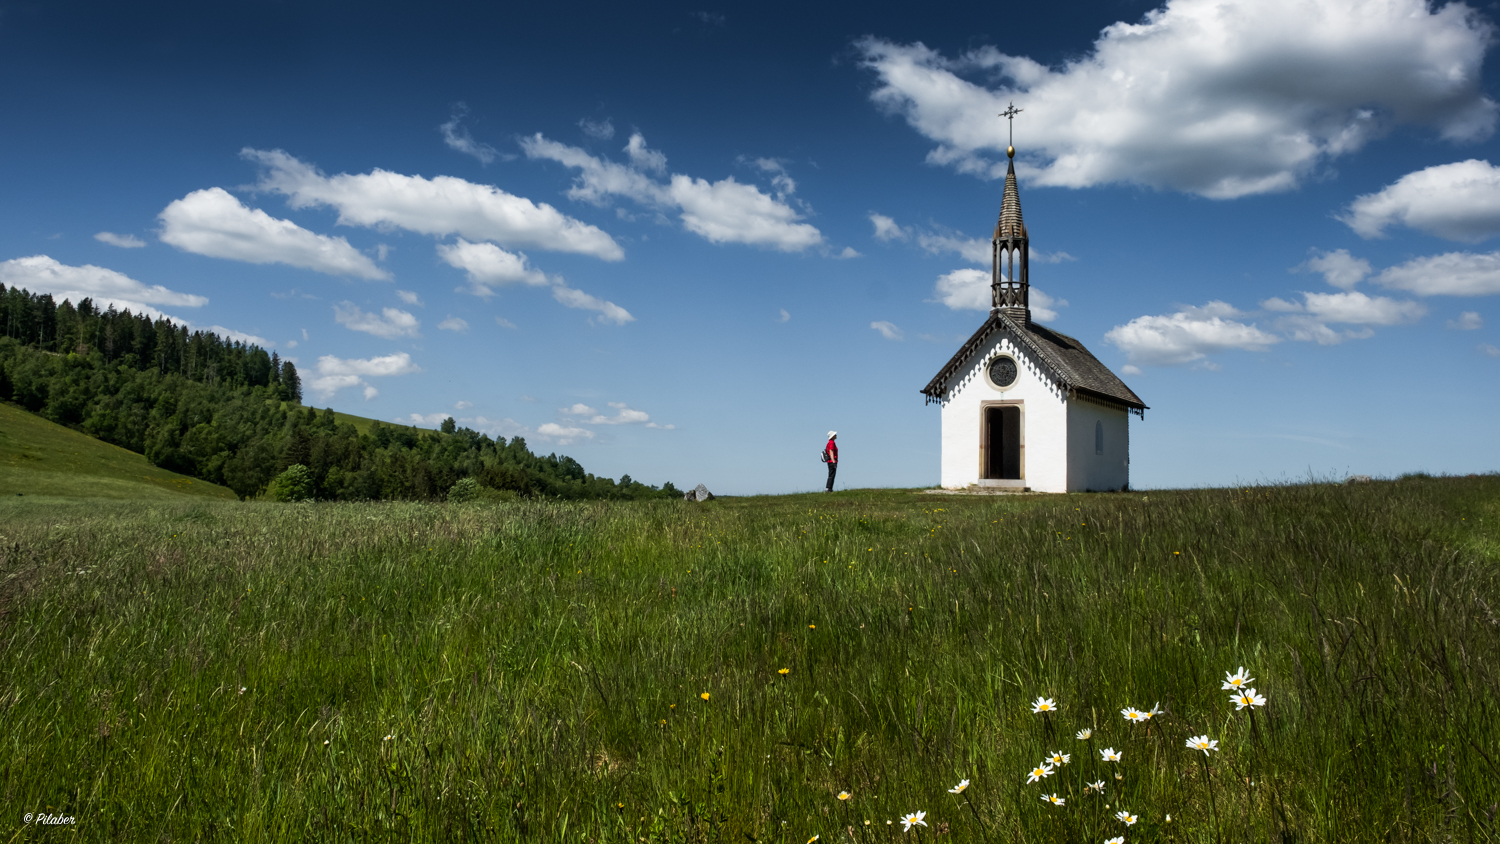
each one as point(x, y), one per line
point(831, 457)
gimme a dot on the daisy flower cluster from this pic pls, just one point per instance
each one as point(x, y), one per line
point(1244, 697)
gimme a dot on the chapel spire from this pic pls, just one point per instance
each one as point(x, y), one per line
point(1009, 287)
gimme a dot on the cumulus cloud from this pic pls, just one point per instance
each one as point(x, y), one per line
point(726, 211)
point(489, 266)
point(1450, 274)
point(1467, 321)
point(390, 323)
point(463, 405)
point(409, 297)
point(124, 241)
point(969, 290)
point(563, 434)
point(783, 316)
point(440, 206)
point(608, 311)
point(1221, 99)
point(1308, 320)
point(1489, 351)
point(457, 137)
point(1187, 336)
point(43, 274)
point(887, 330)
point(1338, 268)
point(578, 409)
point(887, 229)
point(212, 222)
point(623, 416)
point(504, 323)
point(1459, 201)
point(453, 323)
point(335, 374)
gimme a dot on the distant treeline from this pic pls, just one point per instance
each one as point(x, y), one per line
point(231, 414)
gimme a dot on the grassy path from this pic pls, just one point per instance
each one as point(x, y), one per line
point(669, 672)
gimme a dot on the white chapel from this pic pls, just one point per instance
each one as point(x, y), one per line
point(1025, 407)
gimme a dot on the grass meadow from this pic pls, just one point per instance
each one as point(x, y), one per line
point(723, 672)
point(38, 457)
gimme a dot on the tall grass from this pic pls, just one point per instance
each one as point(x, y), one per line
point(613, 672)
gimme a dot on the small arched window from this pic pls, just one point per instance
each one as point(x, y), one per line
point(1098, 437)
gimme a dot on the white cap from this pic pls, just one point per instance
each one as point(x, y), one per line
point(832, 434)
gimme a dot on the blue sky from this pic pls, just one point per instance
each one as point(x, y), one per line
point(683, 242)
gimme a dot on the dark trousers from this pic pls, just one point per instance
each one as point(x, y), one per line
point(832, 469)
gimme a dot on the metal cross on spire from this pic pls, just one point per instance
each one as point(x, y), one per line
point(1010, 115)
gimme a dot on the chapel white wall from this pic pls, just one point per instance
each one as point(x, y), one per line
point(1088, 471)
point(1045, 461)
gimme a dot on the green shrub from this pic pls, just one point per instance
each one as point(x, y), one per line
point(294, 484)
point(467, 489)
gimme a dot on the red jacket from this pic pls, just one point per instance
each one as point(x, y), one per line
point(833, 451)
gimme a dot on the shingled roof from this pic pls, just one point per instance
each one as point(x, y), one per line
point(1073, 367)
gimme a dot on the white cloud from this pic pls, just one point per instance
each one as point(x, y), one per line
point(382, 250)
point(725, 211)
point(334, 374)
point(975, 250)
point(969, 290)
point(561, 434)
point(623, 416)
point(504, 323)
point(212, 222)
point(965, 290)
point(578, 409)
point(887, 228)
point(463, 405)
point(457, 137)
point(1338, 267)
point(43, 274)
point(440, 206)
point(389, 323)
point(1467, 321)
point(608, 311)
point(1450, 274)
point(1308, 320)
point(599, 130)
point(422, 420)
point(453, 323)
point(124, 241)
point(409, 297)
point(783, 316)
point(644, 158)
point(849, 252)
point(887, 330)
point(1488, 350)
point(487, 266)
point(232, 334)
point(1221, 98)
point(1459, 201)
point(1187, 336)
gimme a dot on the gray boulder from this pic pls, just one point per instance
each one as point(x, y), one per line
point(698, 493)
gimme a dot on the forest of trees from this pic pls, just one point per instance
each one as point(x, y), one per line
point(229, 413)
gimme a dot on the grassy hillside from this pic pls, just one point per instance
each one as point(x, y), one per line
point(41, 458)
point(732, 671)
